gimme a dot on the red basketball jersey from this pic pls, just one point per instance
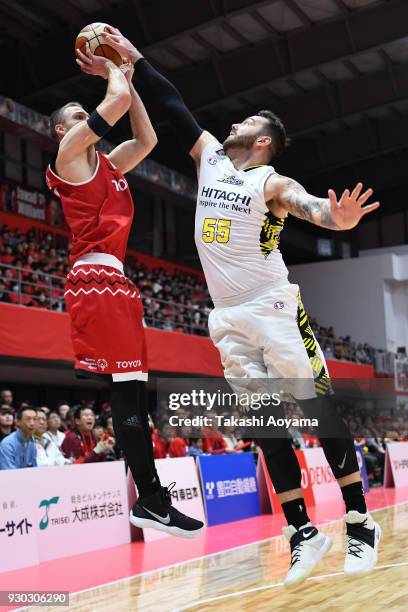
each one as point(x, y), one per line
point(99, 211)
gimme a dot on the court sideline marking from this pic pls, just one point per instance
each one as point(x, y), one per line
point(208, 556)
point(265, 587)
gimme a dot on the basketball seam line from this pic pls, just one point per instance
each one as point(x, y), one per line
point(100, 44)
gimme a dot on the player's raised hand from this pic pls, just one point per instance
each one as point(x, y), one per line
point(95, 65)
point(349, 210)
point(122, 45)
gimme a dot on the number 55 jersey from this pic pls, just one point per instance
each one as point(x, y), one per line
point(237, 237)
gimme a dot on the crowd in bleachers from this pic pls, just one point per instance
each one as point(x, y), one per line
point(83, 433)
point(174, 302)
point(341, 347)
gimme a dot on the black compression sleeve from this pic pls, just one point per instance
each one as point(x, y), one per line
point(153, 86)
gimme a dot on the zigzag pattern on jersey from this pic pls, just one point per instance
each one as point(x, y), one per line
point(79, 270)
point(270, 233)
point(95, 281)
point(321, 377)
point(99, 282)
point(101, 292)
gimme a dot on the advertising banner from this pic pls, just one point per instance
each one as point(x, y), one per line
point(230, 487)
point(18, 529)
point(54, 512)
point(31, 203)
point(320, 477)
point(81, 508)
point(263, 476)
point(318, 482)
point(396, 465)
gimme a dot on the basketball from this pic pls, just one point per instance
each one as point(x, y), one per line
point(93, 34)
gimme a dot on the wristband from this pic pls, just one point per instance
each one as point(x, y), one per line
point(98, 124)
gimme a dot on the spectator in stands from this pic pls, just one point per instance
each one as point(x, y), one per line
point(48, 453)
point(6, 421)
point(64, 412)
point(173, 301)
point(328, 352)
point(53, 432)
point(4, 295)
point(109, 424)
point(106, 420)
point(98, 431)
point(195, 447)
point(18, 449)
point(374, 448)
point(232, 441)
point(79, 443)
point(213, 440)
point(361, 355)
point(6, 398)
point(159, 444)
point(174, 444)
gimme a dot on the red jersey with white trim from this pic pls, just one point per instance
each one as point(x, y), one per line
point(99, 211)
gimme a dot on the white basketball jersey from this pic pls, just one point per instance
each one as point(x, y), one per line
point(237, 237)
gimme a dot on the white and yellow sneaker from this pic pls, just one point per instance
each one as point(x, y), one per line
point(307, 547)
point(363, 537)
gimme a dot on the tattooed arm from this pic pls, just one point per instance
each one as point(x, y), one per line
point(284, 195)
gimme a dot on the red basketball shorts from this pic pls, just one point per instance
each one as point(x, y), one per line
point(106, 322)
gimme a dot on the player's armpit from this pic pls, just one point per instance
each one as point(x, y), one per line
point(200, 144)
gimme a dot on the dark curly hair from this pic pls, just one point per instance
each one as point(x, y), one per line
point(277, 131)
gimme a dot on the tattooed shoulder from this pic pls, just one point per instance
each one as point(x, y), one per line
point(294, 185)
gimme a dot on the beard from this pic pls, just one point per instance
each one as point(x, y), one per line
point(239, 142)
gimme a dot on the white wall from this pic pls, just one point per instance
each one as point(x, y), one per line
point(364, 297)
point(396, 309)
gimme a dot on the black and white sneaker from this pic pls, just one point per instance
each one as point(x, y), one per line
point(363, 537)
point(307, 547)
point(156, 511)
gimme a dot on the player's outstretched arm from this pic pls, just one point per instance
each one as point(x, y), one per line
point(131, 152)
point(286, 195)
point(114, 105)
point(155, 88)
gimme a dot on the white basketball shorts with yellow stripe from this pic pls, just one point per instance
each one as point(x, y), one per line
point(270, 337)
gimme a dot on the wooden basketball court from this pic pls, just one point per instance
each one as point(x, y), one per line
point(249, 576)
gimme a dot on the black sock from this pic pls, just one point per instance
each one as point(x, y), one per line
point(295, 512)
point(353, 495)
point(131, 426)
